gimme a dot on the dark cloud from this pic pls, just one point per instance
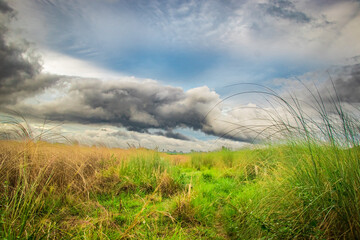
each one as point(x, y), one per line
point(348, 84)
point(171, 134)
point(19, 69)
point(140, 107)
point(5, 8)
point(137, 106)
point(284, 9)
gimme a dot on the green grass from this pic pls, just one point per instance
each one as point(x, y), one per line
point(270, 193)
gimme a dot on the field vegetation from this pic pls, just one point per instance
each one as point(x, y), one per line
point(73, 192)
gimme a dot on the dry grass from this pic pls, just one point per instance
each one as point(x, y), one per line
point(68, 167)
point(53, 189)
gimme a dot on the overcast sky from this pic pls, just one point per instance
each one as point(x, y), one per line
point(149, 72)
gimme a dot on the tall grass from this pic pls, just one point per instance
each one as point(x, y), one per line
point(57, 191)
point(325, 172)
point(318, 167)
point(15, 126)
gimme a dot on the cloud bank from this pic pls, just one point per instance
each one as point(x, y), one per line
point(348, 85)
point(137, 106)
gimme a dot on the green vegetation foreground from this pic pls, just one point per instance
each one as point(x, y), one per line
point(290, 191)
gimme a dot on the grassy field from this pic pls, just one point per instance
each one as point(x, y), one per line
point(55, 191)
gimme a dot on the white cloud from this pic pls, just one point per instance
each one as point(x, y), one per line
point(57, 63)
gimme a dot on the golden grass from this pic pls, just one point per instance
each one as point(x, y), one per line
point(72, 167)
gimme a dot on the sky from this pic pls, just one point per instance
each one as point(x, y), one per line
point(155, 73)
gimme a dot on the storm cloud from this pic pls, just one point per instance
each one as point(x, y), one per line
point(4, 7)
point(135, 105)
point(347, 85)
point(19, 69)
